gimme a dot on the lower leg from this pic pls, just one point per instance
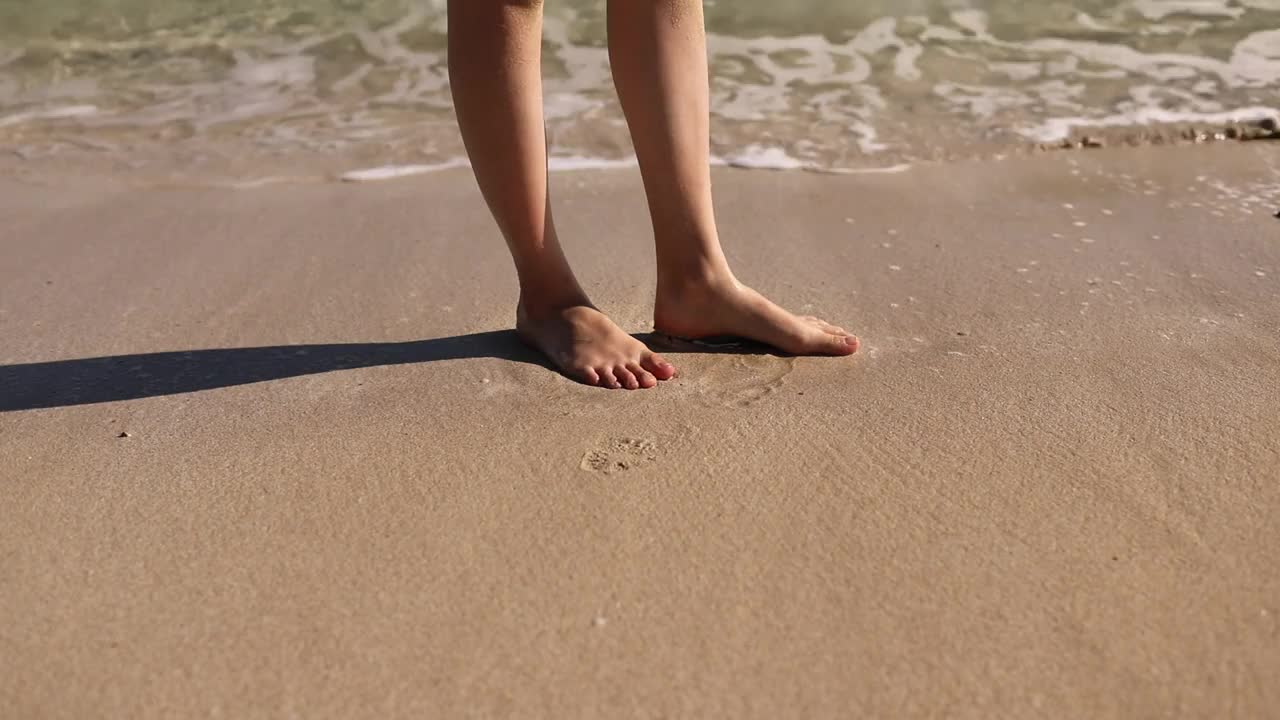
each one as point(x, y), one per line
point(495, 78)
point(494, 68)
point(657, 50)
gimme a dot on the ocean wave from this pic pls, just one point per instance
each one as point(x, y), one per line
point(803, 85)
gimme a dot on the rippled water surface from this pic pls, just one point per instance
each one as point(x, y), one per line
point(824, 83)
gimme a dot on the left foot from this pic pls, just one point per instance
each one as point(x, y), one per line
point(726, 307)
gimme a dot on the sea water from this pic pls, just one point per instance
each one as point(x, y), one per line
point(821, 84)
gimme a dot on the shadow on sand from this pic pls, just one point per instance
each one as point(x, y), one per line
point(64, 383)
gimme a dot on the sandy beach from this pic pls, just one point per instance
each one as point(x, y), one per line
point(274, 452)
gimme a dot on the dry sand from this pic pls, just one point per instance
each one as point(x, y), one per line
point(1049, 487)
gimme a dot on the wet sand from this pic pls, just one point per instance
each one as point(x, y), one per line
point(273, 452)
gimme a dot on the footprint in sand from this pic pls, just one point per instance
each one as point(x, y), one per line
point(735, 380)
point(743, 380)
point(619, 454)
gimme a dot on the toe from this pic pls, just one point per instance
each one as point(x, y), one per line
point(588, 376)
point(607, 378)
point(625, 377)
point(660, 368)
point(645, 378)
point(842, 344)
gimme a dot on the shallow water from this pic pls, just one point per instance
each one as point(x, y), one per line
point(820, 83)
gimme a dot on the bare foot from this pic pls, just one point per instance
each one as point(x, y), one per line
point(589, 348)
point(726, 307)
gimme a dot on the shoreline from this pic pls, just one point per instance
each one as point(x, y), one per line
point(236, 162)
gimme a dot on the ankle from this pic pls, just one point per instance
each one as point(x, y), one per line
point(537, 304)
point(694, 277)
point(549, 288)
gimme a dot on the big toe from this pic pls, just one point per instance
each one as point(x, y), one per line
point(823, 343)
point(844, 344)
point(660, 368)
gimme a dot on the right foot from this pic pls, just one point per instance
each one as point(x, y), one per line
point(725, 307)
point(586, 346)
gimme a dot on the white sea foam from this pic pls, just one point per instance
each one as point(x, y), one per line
point(773, 158)
point(57, 113)
point(390, 172)
point(760, 158)
point(1055, 129)
point(562, 163)
point(1161, 9)
point(554, 164)
point(755, 158)
point(886, 170)
point(802, 85)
